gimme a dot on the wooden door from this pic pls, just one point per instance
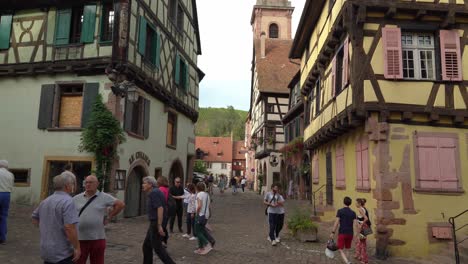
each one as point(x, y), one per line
point(329, 179)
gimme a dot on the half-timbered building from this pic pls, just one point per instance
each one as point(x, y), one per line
point(295, 164)
point(271, 72)
point(386, 86)
point(57, 56)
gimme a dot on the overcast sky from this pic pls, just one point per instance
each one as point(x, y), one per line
point(226, 40)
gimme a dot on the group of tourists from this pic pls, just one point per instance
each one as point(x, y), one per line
point(72, 228)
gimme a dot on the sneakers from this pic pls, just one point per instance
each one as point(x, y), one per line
point(203, 251)
point(268, 238)
point(277, 240)
point(192, 238)
point(186, 235)
point(198, 250)
point(273, 243)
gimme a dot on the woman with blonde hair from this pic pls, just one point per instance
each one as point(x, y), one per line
point(363, 222)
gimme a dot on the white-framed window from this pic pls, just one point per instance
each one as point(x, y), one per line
point(418, 56)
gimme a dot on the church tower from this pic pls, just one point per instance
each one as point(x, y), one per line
point(273, 17)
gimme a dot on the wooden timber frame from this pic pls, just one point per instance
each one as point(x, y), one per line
point(91, 66)
point(350, 22)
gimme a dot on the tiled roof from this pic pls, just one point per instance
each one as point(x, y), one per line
point(219, 149)
point(276, 70)
point(238, 152)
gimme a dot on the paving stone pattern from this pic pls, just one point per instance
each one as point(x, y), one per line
point(240, 230)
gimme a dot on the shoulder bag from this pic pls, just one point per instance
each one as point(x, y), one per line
point(86, 205)
point(266, 209)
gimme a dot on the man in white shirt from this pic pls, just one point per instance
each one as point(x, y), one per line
point(6, 186)
point(92, 207)
point(243, 181)
point(275, 203)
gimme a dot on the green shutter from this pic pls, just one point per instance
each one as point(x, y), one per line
point(62, 27)
point(5, 31)
point(177, 69)
point(146, 119)
point(128, 115)
point(157, 50)
point(46, 106)
point(186, 76)
point(89, 24)
point(142, 36)
point(91, 90)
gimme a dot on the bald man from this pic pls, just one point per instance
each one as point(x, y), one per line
point(92, 207)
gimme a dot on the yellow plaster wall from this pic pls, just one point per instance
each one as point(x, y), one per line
point(429, 207)
point(406, 92)
point(348, 141)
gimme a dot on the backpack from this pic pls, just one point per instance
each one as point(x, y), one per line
point(171, 206)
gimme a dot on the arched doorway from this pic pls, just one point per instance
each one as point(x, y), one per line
point(135, 199)
point(176, 171)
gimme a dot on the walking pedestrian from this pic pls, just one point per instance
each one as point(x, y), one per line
point(202, 204)
point(57, 219)
point(191, 212)
point(155, 211)
point(363, 222)
point(275, 209)
point(177, 192)
point(233, 183)
point(222, 183)
point(345, 219)
point(92, 207)
point(6, 186)
point(243, 181)
point(162, 185)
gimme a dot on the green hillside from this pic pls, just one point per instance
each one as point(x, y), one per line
point(219, 122)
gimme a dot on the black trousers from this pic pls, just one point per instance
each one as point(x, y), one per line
point(153, 242)
point(276, 222)
point(179, 214)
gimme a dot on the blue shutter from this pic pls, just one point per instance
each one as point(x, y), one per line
point(142, 36)
point(89, 24)
point(5, 31)
point(177, 69)
point(62, 27)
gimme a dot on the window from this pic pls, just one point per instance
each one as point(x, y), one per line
point(223, 166)
point(340, 69)
point(75, 25)
point(273, 31)
point(171, 137)
point(149, 43)
point(270, 108)
point(418, 56)
point(208, 165)
point(362, 164)
point(340, 168)
point(318, 95)
point(5, 31)
point(119, 183)
point(286, 133)
point(176, 14)
point(137, 117)
point(66, 105)
point(437, 161)
point(181, 74)
point(81, 167)
point(411, 55)
point(22, 177)
point(107, 22)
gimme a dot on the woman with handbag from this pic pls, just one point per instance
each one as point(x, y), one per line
point(364, 230)
point(202, 205)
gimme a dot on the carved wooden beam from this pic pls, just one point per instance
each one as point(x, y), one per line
point(361, 15)
point(420, 14)
point(449, 19)
point(391, 11)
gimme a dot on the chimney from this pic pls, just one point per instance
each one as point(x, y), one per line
point(262, 44)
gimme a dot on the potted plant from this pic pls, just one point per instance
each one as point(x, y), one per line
point(271, 140)
point(302, 226)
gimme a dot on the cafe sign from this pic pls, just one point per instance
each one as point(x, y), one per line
point(139, 155)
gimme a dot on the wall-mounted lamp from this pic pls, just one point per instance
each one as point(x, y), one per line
point(122, 87)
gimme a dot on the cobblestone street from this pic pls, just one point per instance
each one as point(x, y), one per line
point(239, 228)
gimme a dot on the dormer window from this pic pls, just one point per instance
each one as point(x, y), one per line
point(273, 31)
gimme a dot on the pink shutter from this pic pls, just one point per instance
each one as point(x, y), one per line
point(315, 173)
point(429, 169)
point(345, 63)
point(340, 168)
point(450, 54)
point(393, 61)
point(447, 160)
point(333, 77)
point(358, 164)
point(365, 163)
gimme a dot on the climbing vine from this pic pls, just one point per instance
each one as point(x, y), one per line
point(101, 136)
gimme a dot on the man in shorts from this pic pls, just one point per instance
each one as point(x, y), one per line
point(345, 218)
